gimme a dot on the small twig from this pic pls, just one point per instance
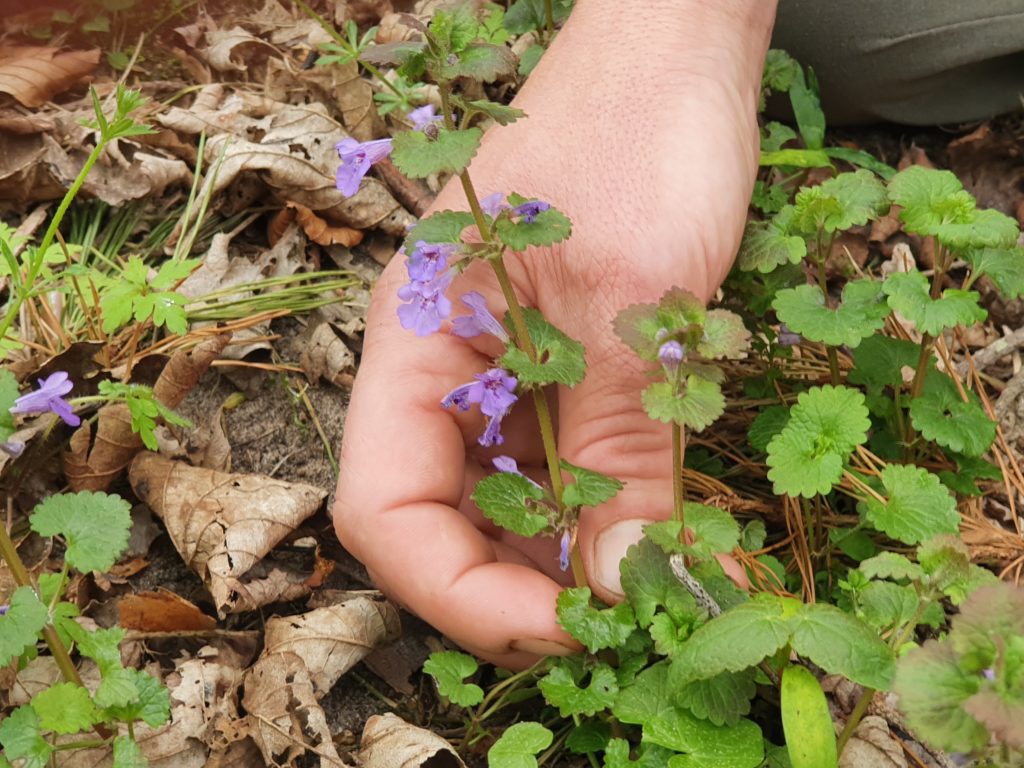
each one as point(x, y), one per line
point(694, 587)
point(1001, 347)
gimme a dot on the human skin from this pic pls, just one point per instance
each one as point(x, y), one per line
point(642, 128)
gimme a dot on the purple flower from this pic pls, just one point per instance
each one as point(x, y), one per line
point(4, 608)
point(356, 159)
point(508, 464)
point(493, 204)
point(427, 259)
point(481, 321)
point(671, 354)
point(427, 305)
point(13, 448)
point(988, 674)
point(423, 116)
point(49, 397)
point(530, 210)
point(563, 554)
point(787, 338)
point(494, 390)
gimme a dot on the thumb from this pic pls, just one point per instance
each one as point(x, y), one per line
point(603, 427)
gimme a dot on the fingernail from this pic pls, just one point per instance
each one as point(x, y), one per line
point(610, 547)
point(540, 647)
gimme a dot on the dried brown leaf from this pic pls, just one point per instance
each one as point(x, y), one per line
point(285, 719)
point(334, 639)
point(35, 74)
point(872, 746)
point(322, 233)
point(185, 368)
point(325, 355)
point(223, 524)
point(161, 611)
point(390, 742)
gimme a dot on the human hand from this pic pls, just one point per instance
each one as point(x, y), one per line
point(655, 168)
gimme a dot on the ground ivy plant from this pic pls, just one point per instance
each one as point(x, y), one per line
point(669, 675)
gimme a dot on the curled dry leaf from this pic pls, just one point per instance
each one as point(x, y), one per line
point(161, 611)
point(333, 639)
point(223, 524)
point(390, 742)
point(93, 466)
point(285, 719)
point(35, 74)
point(320, 232)
point(872, 746)
point(325, 355)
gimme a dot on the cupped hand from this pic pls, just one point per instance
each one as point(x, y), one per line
point(654, 164)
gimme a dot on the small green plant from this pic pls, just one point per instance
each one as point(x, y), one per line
point(965, 692)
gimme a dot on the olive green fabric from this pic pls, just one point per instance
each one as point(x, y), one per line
point(918, 62)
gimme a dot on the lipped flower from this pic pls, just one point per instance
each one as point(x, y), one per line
point(426, 303)
point(423, 116)
point(529, 210)
point(670, 355)
point(49, 397)
point(427, 259)
point(563, 552)
point(356, 159)
point(786, 337)
point(494, 390)
point(481, 321)
point(493, 204)
point(508, 464)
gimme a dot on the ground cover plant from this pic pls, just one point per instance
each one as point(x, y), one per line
point(840, 439)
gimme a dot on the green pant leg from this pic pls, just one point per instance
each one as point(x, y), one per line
point(918, 62)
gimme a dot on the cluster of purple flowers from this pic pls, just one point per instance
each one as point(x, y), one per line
point(527, 212)
point(494, 391)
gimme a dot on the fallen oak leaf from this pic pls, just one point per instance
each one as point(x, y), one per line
point(390, 742)
point(222, 524)
point(333, 639)
point(322, 233)
point(161, 611)
point(35, 74)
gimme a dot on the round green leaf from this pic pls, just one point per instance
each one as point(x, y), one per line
point(94, 525)
point(918, 507)
point(858, 316)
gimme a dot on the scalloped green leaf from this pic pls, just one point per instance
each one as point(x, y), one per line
point(860, 313)
point(649, 584)
point(589, 736)
point(767, 245)
point(151, 702)
point(714, 530)
point(909, 294)
point(8, 394)
point(419, 156)
point(588, 488)
point(548, 227)
point(699, 405)
point(1004, 266)
point(933, 689)
point(502, 114)
point(844, 201)
point(440, 227)
point(562, 690)
point(509, 500)
point(516, 747)
point(918, 506)
point(723, 699)
point(20, 626)
point(95, 526)
point(935, 203)
point(128, 754)
point(724, 336)
point(769, 422)
point(737, 639)
point(941, 415)
point(595, 628)
point(21, 740)
point(890, 565)
point(65, 708)
point(825, 425)
point(886, 606)
point(560, 359)
point(841, 643)
point(450, 670)
point(482, 62)
point(878, 362)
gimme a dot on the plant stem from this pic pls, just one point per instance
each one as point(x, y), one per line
point(833, 356)
point(855, 717)
point(549, 18)
point(21, 577)
point(678, 491)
